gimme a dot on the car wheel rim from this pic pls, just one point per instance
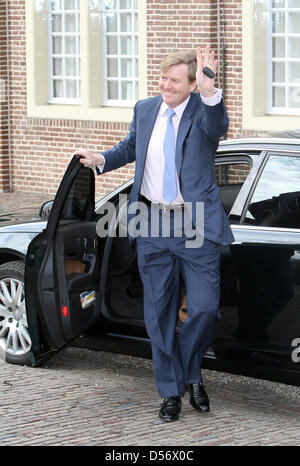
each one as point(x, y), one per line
point(14, 336)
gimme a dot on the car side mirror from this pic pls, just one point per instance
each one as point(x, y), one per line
point(46, 209)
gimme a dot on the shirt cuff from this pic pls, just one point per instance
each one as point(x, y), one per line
point(100, 168)
point(214, 99)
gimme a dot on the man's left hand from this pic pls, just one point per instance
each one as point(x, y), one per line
point(205, 84)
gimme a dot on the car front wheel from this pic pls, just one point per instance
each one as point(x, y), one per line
point(15, 341)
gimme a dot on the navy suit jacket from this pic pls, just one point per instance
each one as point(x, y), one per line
point(199, 131)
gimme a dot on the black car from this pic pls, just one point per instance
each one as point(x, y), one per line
point(84, 289)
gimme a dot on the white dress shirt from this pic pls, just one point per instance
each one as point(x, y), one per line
point(152, 184)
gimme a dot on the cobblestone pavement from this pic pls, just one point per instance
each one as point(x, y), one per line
point(11, 202)
point(84, 397)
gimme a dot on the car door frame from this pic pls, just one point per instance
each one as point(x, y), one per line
point(275, 360)
point(41, 278)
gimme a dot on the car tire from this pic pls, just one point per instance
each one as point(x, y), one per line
point(15, 341)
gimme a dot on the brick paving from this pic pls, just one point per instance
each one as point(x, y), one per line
point(84, 397)
point(10, 202)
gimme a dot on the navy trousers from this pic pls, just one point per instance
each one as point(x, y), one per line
point(177, 358)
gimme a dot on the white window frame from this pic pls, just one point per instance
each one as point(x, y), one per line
point(91, 107)
point(134, 57)
point(51, 56)
point(271, 59)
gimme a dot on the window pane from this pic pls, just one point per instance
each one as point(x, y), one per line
point(294, 19)
point(278, 3)
point(79, 203)
point(127, 90)
point(230, 178)
point(278, 72)
point(112, 22)
point(57, 67)
point(277, 203)
point(112, 67)
point(71, 67)
point(56, 4)
point(125, 4)
point(294, 47)
point(71, 88)
point(278, 22)
point(57, 23)
point(58, 88)
point(278, 96)
point(293, 72)
point(113, 90)
point(70, 23)
point(126, 68)
point(112, 45)
point(136, 66)
point(70, 4)
point(57, 45)
point(278, 47)
point(135, 25)
point(293, 3)
point(126, 45)
point(294, 97)
point(70, 44)
point(135, 49)
point(126, 22)
point(110, 4)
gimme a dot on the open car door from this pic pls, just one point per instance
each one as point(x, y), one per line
point(62, 267)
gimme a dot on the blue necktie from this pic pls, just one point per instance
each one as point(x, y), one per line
point(169, 184)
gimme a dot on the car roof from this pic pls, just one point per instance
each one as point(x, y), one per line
point(238, 145)
point(260, 143)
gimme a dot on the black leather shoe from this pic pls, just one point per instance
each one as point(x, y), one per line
point(170, 408)
point(198, 397)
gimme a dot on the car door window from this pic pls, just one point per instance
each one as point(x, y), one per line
point(276, 199)
point(79, 203)
point(230, 178)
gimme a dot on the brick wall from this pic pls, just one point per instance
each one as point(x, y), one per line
point(4, 130)
point(41, 148)
point(186, 24)
point(232, 39)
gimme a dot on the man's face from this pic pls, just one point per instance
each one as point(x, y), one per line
point(175, 86)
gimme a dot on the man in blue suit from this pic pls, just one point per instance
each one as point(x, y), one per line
point(173, 138)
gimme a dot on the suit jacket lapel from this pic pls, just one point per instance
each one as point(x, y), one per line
point(184, 126)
